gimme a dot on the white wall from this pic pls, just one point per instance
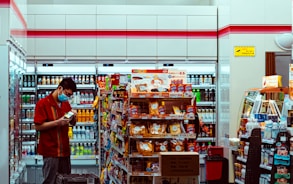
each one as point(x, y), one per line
point(123, 20)
point(263, 20)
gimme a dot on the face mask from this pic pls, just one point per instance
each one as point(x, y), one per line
point(62, 97)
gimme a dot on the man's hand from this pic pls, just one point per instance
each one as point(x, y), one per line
point(63, 121)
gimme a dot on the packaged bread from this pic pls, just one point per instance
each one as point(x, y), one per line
point(176, 145)
point(175, 128)
point(157, 128)
point(154, 108)
point(145, 147)
point(161, 146)
point(137, 129)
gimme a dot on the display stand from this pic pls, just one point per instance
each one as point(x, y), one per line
point(251, 172)
point(282, 169)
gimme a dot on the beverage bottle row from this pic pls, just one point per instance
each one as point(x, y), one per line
point(83, 149)
point(27, 150)
point(83, 97)
point(206, 114)
point(85, 115)
point(27, 113)
point(81, 133)
point(55, 80)
point(200, 79)
point(28, 99)
point(29, 81)
point(206, 95)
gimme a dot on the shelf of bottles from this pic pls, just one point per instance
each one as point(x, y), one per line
point(204, 90)
point(83, 136)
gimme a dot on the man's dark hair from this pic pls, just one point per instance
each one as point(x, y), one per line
point(68, 83)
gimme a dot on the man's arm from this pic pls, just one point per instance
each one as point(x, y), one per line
point(47, 125)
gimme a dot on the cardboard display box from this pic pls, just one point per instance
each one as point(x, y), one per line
point(179, 163)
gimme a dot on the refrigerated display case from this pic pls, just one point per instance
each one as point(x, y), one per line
point(13, 64)
point(40, 82)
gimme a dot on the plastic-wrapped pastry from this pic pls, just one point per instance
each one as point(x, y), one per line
point(175, 128)
point(137, 129)
point(157, 128)
point(161, 146)
point(176, 145)
point(145, 147)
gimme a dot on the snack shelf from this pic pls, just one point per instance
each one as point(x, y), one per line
point(239, 181)
point(165, 136)
point(268, 141)
point(204, 86)
point(119, 150)
point(144, 174)
point(82, 140)
point(241, 159)
point(138, 155)
point(123, 167)
point(29, 132)
point(167, 117)
point(81, 106)
point(27, 120)
point(27, 90)
point(113, 179)
point(28, 106)
point(28, 142)
point(79, 86)
point(266, 167)
point(85, 124)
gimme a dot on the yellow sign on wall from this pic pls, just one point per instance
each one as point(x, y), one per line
point(244, 51)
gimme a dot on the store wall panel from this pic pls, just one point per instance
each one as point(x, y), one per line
point(202, 47)
point(50, 22)
point(55, 9)
point(81, 22)
point(141, 22)
point(141, 47)
point(202, 22)
point(172, 47)
point(172, 22)
point(280, 14)
point(31, 46)
point(111, 47)
point(111, 22)
point(81, 47)
point(50, 47)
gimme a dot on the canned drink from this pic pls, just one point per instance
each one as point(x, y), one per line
point(28, 114)
point(23, 113)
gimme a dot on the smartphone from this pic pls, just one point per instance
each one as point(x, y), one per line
point(68, 115)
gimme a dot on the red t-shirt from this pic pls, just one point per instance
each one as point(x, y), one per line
point(53, 142)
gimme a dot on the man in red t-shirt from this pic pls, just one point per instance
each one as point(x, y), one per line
point(53, 127)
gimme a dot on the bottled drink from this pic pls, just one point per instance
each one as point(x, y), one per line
point(87, 133)
point(29, 81)
point(92, 114)
point(82, 98)
point(78, 115)
point(24, 81)
point(78, 98)
point(198, 95)
point(48, 81)
point(33, 82)
point(82, 133)
point(83, 115)
point(87, 115)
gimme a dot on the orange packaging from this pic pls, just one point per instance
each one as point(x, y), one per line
point(187, 87)
point(180, 87)
point(189, 109)
point(173, 88)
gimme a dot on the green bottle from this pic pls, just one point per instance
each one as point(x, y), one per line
point(198, 95)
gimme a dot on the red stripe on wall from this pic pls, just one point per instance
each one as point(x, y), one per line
point(231, 29)
point(122, 33)
point(18, 14)
point(254, 29)
point(4, 3)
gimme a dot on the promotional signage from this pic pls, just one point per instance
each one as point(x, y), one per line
point(244, 51)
